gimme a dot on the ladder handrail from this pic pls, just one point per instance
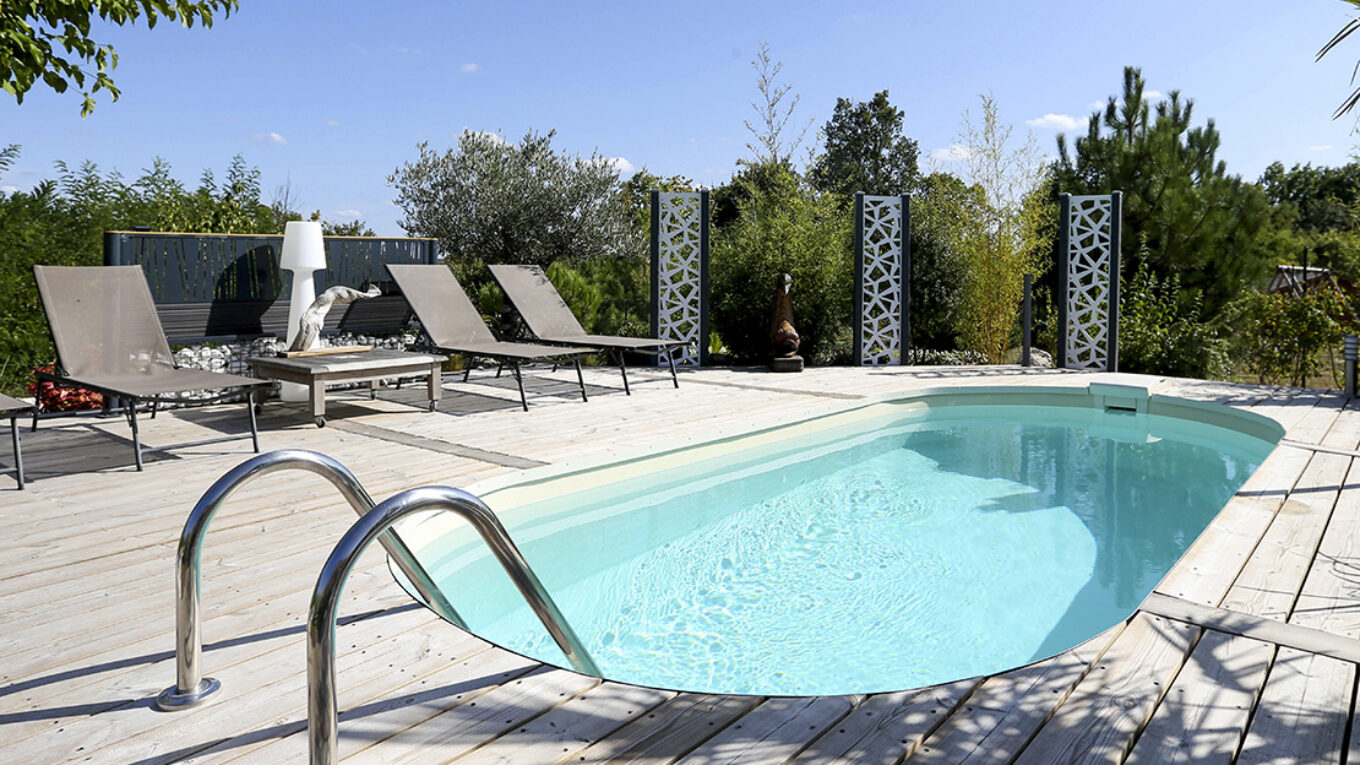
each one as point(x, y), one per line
point(191, 688)
point(322, 707)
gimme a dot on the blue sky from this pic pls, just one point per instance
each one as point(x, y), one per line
point(331, 97)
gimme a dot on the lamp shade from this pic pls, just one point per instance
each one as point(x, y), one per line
point(303, 247)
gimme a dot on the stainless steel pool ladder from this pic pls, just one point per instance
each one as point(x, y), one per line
point(191, 688)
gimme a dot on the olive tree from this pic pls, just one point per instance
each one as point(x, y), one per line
point(491, 201)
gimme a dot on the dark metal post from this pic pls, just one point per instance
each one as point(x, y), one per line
point(1064, 254)
point(859, 278)
point(906, 280)
point(1116, 230)
point(656, 263)
point(1026, 321)
point(703, 278)
point(1351, 353)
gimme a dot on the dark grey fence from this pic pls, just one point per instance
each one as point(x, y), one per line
point(229, 286)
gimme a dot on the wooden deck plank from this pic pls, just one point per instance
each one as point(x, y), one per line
point(888, 727)
point(562, 732)
point(1100, 719)
point(669, 731)
point(1330, 593)
point(1004, 713)
point(773, 732)
point(1303, 711)
point(1202, 717)
point(458, 726)
point(1270, 581)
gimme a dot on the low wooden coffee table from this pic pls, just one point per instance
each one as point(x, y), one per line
point(364, 366)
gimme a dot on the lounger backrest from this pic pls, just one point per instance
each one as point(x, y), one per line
point(103, 319)
point(537, 300)
point(449, 317)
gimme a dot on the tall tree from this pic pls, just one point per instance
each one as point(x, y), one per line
point(47, 40)
point(1183, 212)
point(866, 150)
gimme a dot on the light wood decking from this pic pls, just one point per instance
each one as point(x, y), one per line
point(1246, 650)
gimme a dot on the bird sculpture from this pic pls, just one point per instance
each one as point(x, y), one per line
point(312, 319)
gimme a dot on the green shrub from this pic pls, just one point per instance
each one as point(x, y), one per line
point(781, 227)
point(1159, 337)
point(1281, 336)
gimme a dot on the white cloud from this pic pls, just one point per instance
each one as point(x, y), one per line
point(7, 189)
point(349, 213)
point(270, 137)
point(1152, 95)
point(330, 122)
point(495, 138)
point(407, 51)
point(620, 164)
point(468, 68)
point(1098, 104)
point(1057, 122)
point(953, 153)
point(1320, 147)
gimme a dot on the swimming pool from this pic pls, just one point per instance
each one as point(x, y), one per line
point(890, 546)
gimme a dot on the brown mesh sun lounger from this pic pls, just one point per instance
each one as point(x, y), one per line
point(109, 340)
point(550, 320)
point(453, 324)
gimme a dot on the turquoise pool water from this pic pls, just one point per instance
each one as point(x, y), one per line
point(905, 548)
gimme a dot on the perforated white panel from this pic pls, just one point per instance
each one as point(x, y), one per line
point(1088, 281)
point(881, 297)
point(678, 275)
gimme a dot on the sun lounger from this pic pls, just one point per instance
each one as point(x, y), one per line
point(109, 340)
point(453, 325)
point(550, 320)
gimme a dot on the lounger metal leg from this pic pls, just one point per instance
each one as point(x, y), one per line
point(131, 409)
point(519, 378)
point(154, 403)
point(499, 367)
point(254, 431)
point(623, 369)
point(580, 379)
point(36, 407)
point(467, 370)
point(18, 455)
point(670, 357)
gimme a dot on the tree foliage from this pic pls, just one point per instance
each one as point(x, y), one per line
point(785, 227)
point(774, 146)
point(1281, 336)
point(1195, 219)
point(1003, 227)
point(1160, 335)
point(1316, 198)
point(60, 222)
point(50, 41)
point(490, 201)
point(1346, 29)
point(866, 150)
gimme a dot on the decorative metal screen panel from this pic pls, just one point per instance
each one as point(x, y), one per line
point(1092, 238)
point(680, 271)
point(881, 265)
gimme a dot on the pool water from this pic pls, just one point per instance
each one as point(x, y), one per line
point(907, 548)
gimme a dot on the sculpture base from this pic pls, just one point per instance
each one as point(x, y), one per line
point(792, 363)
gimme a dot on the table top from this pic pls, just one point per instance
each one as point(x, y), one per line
point(358, 361)
point(10, 404)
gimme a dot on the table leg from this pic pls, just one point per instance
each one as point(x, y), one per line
point(436, 384)
point(318, 396)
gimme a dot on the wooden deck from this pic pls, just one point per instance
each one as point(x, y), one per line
point(1246, 652)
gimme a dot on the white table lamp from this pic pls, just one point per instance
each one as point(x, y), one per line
point(304, 253)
